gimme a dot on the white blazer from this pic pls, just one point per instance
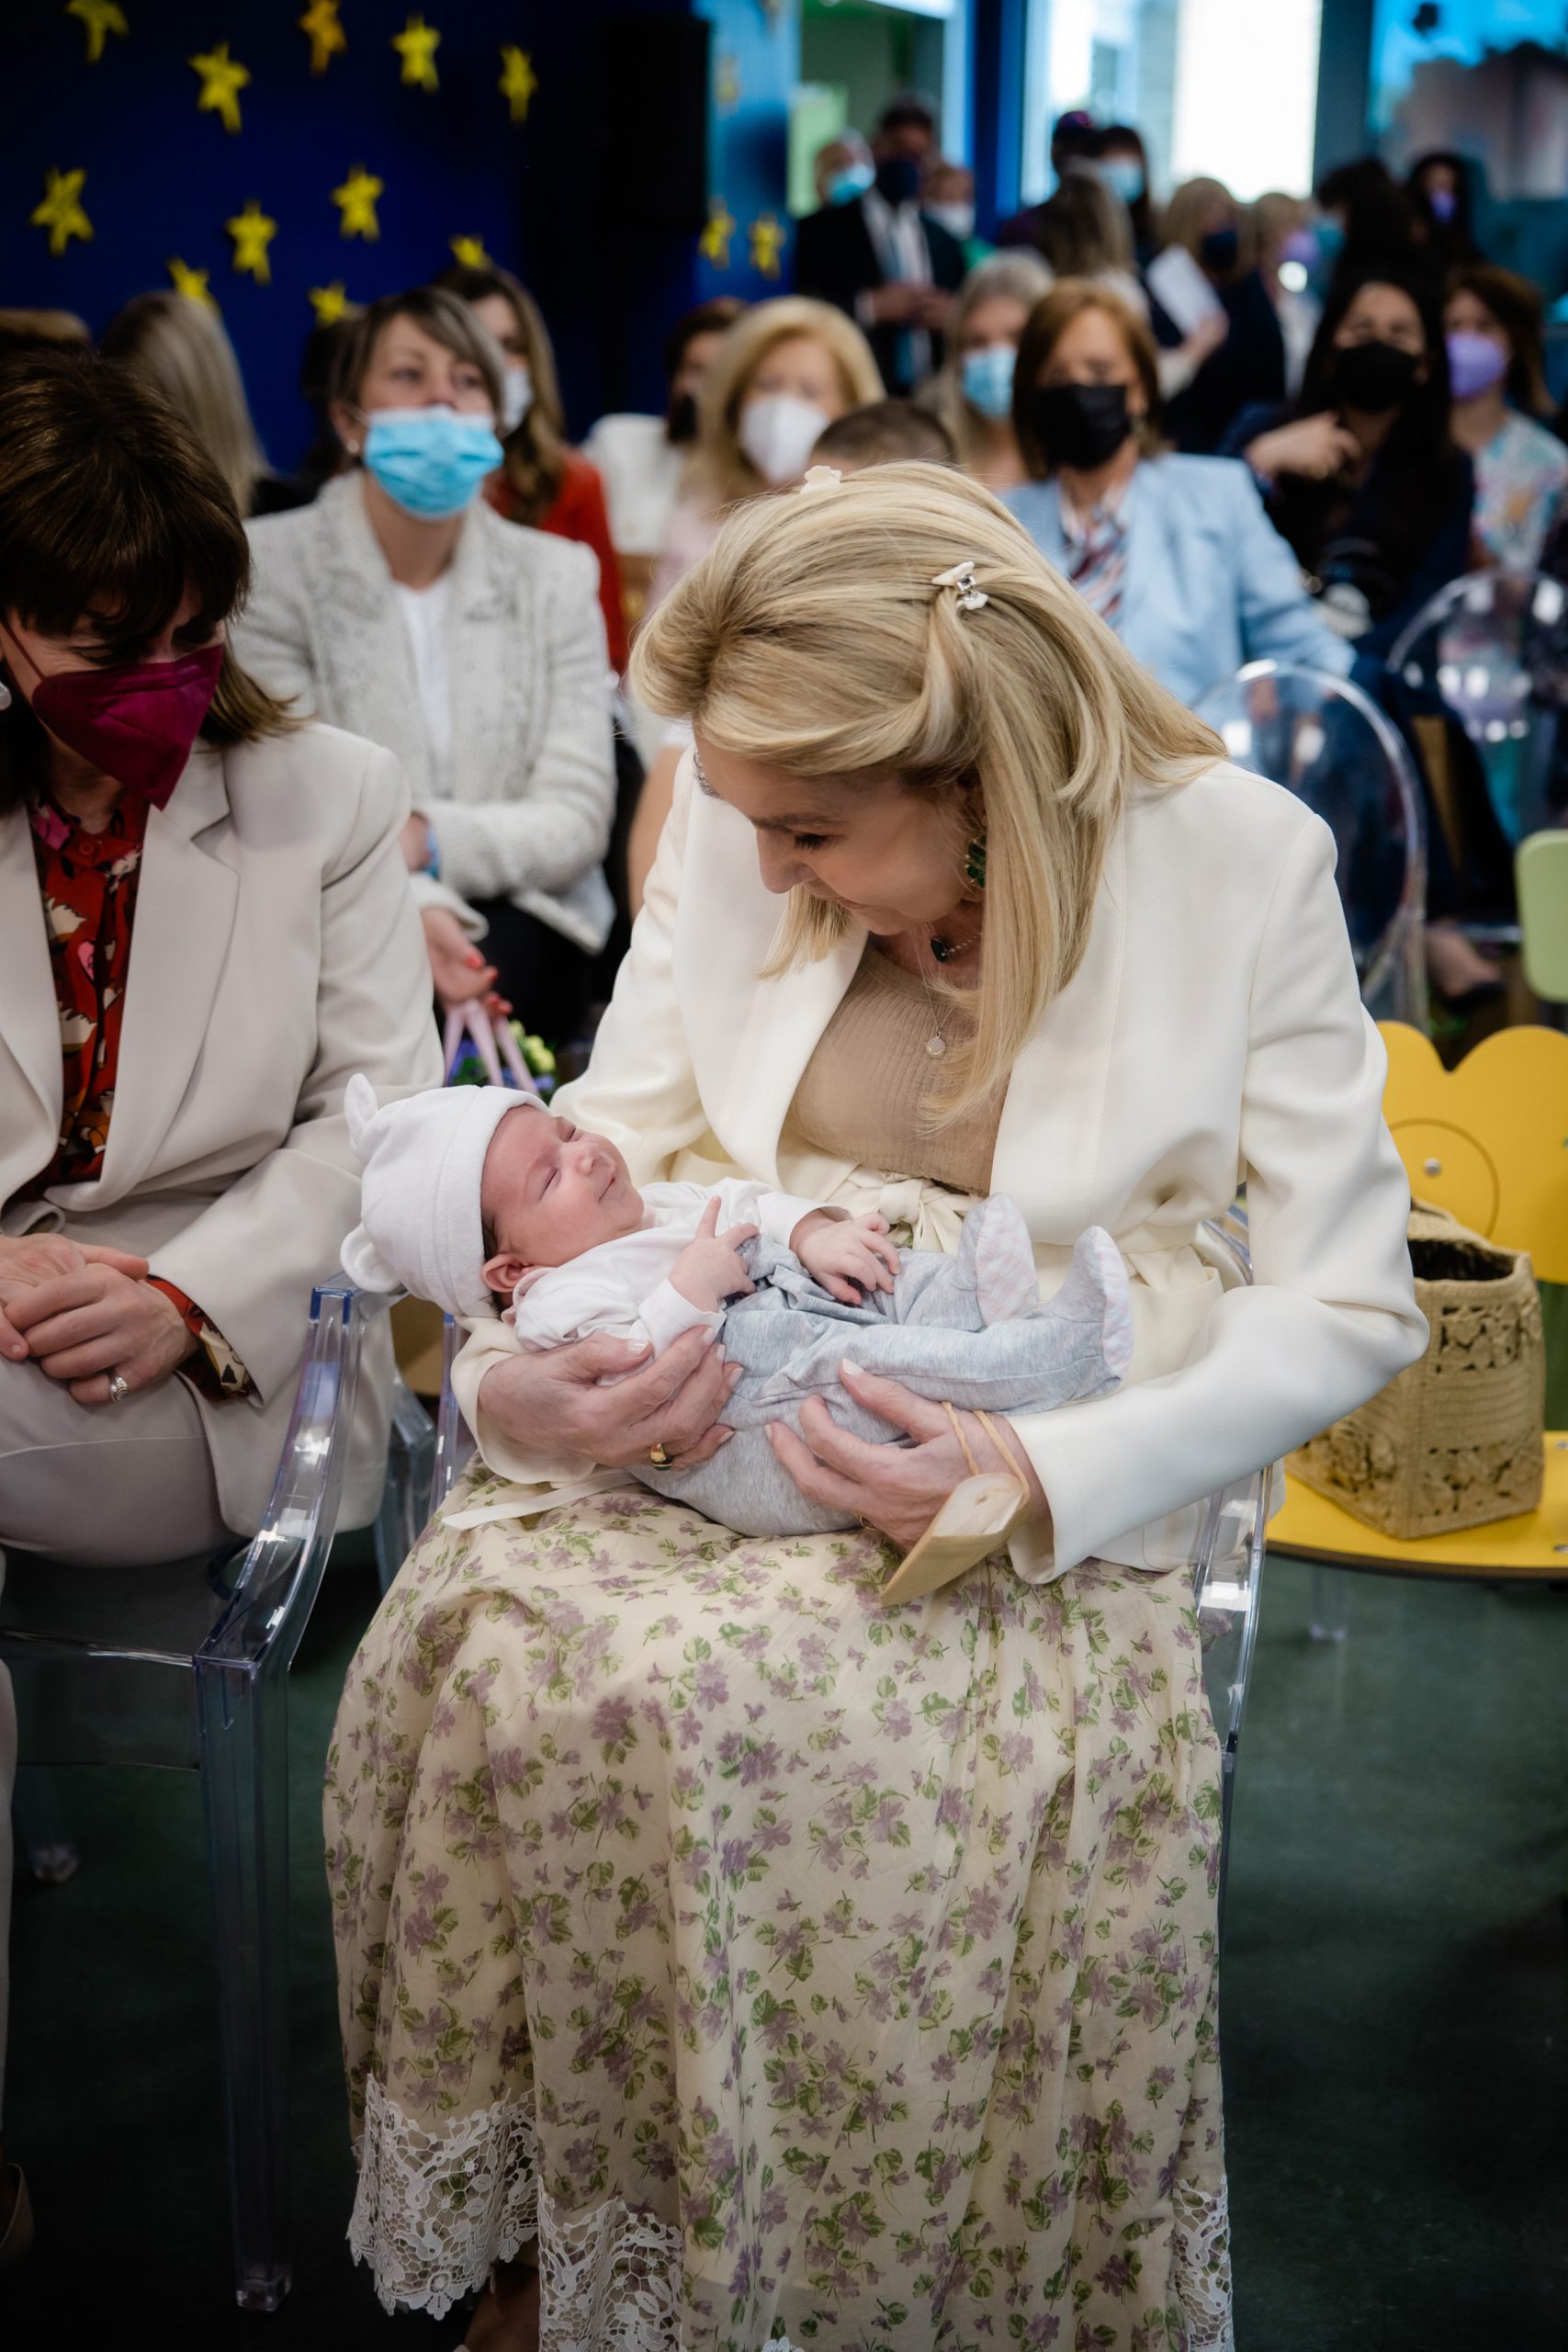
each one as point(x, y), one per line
point(1213, 1032)
point(532, 775)
point(276, 950)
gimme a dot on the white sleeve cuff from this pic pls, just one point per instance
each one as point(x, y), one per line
point(665, 1315)
point(778, 1214)
point(430, 892)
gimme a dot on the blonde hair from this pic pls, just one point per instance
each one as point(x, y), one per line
point(1187, 205)
point(814, 641)
point(179, 347)
point(1018, 276)
point(720, 471)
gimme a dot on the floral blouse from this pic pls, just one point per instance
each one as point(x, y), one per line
point(88, 884)
point(1519, 477)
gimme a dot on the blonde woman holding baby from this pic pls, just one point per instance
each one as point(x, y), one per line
point(726, 1959)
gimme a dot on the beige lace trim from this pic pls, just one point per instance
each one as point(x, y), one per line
point(1200, 2264)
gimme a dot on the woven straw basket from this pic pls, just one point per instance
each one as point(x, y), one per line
point(1459, 1437)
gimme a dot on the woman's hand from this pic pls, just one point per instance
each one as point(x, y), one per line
point(1318, 448)
point(898, 1489)
point(458, 970)
point(554, 1401)
point(82, 1325)
point(40, 1258)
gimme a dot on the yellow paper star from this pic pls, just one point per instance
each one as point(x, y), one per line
point(222, 79)
point(191, 283)
point(100, 17)
point(356, 200)
point(61, 212)
point(767, 241)
point(328, 38)
point(518, 80)
point(252, 233)
point(470, 252)
point(417, 45)
point(714, 243)
point(726, 81)
point(329, 302)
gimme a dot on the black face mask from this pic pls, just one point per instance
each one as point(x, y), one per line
point(1081, 425)
point(1373, 377)
point(898, 180)
point(680, 418)
point(1218, 249)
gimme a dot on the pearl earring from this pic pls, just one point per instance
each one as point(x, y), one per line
point(4, 695)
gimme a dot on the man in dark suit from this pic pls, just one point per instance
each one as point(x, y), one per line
point(879, 257)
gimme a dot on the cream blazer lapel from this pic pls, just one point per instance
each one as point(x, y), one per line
point(185, 912)
point(746, 1068)
point(1048, 1139)
point(29, 1024)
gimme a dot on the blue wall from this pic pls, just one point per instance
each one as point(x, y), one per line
point(162, 179)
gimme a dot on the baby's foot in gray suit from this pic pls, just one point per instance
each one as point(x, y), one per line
point(1096, 1297)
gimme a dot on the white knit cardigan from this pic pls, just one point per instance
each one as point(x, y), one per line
point(532, 769)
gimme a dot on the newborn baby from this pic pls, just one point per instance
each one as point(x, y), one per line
point(475, 1196)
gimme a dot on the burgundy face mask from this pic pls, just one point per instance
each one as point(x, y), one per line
point(136, 721)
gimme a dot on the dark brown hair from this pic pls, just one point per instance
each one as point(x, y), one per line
point(884, 433)
point(1517, 307)
point(108, 505)
point(439, 314)
point(1046, 324)
point(536, 448)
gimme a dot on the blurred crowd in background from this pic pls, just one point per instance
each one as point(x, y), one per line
point(1243, 430)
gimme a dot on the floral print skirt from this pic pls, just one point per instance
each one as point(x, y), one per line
point(772, 1968)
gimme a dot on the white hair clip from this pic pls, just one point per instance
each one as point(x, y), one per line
point(818, 479)
point(962, 577)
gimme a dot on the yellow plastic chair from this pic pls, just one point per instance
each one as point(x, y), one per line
point(1540, 871)
point(1488, 1142)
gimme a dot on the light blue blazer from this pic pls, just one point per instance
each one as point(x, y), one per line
point(1208, 583)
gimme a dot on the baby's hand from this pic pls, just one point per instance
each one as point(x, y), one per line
point(849, 1256)
point(711, 1269)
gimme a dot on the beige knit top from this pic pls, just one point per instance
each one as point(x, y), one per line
point(862, 1093)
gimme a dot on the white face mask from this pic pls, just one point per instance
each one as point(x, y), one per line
point(516, 398)
point(958, 219)
point(778, 433)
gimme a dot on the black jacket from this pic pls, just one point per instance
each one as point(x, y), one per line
point(836, 260)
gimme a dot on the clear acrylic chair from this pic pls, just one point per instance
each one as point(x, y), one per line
point(1227, 1567)
point(1494, 646)
point(187, 1667)
point(1330, 744)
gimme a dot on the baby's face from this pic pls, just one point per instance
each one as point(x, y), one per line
point(548, 1193)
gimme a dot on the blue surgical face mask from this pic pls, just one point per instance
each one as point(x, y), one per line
point(1124, 177)
point(987, 380)
point(431, 460)
point(852, 182)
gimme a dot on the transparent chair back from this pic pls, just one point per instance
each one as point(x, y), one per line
point(1493, 646)
point(1328, 743)
point(186, 1665)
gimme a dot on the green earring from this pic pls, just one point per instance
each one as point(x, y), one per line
point(974, 863)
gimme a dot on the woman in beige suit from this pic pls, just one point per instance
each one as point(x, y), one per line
point(765, 1966)
point(205, 929)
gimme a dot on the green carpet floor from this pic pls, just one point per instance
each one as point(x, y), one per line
point(1394, 2011)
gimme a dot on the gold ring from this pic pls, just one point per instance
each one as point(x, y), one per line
point(658, 1456)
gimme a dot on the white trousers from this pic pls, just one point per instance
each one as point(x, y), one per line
point(111, 1485)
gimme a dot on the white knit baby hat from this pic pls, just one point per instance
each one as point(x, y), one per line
point(420, 1228)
